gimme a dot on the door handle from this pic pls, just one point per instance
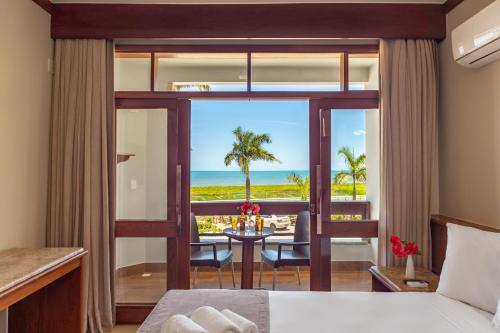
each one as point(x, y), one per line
point(319, 199)
point(178, 196)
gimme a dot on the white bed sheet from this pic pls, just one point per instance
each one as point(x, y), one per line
point(352, 312)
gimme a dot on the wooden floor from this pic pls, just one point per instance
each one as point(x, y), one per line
point(125, 329)
point(148, 287)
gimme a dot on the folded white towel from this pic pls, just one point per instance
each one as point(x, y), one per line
point(244, 324)
point(213, 321)
point(181, 324)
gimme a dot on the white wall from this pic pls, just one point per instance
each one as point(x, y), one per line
point(25, 91)
point(469, 132)
point(373, 170)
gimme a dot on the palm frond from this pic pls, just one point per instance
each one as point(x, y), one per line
point(295, 178)
point(360, 160)
point(229, 158)
point(259, 140)
point(348, 157)
point(341, 177)
point(259, 153)
point(361, 175)
point(199, 86)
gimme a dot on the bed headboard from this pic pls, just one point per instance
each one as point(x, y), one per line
point(439, 237)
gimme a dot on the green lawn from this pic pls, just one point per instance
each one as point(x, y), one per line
point(206, 193)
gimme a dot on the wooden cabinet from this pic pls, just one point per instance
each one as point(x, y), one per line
point(41, 289)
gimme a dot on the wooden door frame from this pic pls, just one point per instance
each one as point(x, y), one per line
point(177, 232)
point(178, 235)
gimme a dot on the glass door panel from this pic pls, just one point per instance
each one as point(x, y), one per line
point(146, 203)
point(349, 168)
point(153, 211)
point(140, 269)
point(345, 149)
point(141, 175)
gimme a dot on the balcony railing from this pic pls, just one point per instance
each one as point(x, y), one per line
point(362, 226)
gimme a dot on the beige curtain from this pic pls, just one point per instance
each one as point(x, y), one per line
point(82, 166)
point(409, 102)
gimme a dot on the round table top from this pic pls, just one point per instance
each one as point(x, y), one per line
point(248, 234)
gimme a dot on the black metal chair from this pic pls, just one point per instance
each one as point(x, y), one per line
point(208, 258)
point(299, 254)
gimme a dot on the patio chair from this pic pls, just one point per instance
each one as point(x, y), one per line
point(214, 257)
point(297, 256)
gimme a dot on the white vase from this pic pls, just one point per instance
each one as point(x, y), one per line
point(249, 223)
point(410, 268)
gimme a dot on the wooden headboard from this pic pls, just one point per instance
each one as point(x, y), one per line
point(439, 237)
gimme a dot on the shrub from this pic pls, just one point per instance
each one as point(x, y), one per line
point(208, 225)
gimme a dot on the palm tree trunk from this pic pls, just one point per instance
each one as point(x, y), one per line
point(354, 187)
point(247, 184)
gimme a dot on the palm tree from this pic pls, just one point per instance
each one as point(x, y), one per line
point(247, 148)
point(356, 169)
point(302, 183)
point(199, 86)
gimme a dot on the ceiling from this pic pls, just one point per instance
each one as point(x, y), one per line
point(247, 1)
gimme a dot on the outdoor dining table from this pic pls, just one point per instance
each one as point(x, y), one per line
point(248, 237)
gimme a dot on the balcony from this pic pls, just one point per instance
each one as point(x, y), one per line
point(141, 277)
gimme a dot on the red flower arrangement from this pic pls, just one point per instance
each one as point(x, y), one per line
point(403, 248)
point(247, 208)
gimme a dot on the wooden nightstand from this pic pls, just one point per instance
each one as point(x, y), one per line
point(390, 279)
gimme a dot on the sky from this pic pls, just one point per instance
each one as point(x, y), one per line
point(287, 122)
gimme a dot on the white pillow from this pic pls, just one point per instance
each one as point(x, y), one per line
point(471, 270)
point(496, 319)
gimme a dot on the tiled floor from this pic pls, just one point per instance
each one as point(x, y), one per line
point(150, 286)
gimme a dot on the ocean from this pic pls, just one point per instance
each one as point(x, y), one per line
point(227, 178)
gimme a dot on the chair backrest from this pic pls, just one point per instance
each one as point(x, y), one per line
point(195, 235)
point(301, 233)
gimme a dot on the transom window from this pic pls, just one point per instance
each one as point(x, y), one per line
point(204, 72)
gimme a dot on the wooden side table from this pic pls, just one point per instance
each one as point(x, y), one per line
point(391, 279)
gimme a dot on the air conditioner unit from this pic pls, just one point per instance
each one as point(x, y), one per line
point(477, 41)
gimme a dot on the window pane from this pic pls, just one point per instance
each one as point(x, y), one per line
point(216, 172)
point(141, 180)
point(355, 163)
point(295, 72)
point(201, 72)
point(363, 72)
point(132, 71)
point(140, 270)
point(348, 164)
point(351, 259)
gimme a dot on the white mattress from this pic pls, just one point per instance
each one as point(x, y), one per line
point(352, 312)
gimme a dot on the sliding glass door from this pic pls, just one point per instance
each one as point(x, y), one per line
point(289, 93)
point(151, 191)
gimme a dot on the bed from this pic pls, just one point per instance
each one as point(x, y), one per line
point(345, 312)
point(299, 312)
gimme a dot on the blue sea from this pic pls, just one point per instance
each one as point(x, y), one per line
point(226, 178)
